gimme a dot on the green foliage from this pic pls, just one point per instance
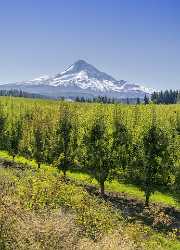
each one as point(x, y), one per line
point(65, 141)
point(121, 143)
point(68, 136)
point(98, 152)
point(14, 137)
point(38, 152)
point(2, 127)
point(158, 164)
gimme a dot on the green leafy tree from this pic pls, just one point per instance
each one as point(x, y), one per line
point(66, 142)
point(99, 162)
point(158, 163)
point(122, 144)
point(38, 149)
point(15, 136)
point(176, 145)
point(3, 120)
point(178, 123)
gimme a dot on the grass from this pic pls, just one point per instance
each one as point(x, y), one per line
point(114, 186)
point(38, 210)
point(128, 189)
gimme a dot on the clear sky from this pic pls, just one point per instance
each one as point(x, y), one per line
point(136, 40)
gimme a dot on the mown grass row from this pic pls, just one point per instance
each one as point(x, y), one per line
point(130, 190)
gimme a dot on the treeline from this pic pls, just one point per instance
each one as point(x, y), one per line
point(20, 93)
point(166, 97)
point(162, 97)
point(98, 99)
point(104, 147)
point(108, 100)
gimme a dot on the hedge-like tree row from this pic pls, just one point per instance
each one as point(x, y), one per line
point(137, 144)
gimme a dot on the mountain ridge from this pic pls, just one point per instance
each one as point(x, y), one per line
point(81, 79)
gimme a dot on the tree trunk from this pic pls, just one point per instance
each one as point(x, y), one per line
point(39, 165)
point(64, 175)
point(13, 157)
point(147, 199)
point(102, 188)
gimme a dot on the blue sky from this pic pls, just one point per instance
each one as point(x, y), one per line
point(137, 40)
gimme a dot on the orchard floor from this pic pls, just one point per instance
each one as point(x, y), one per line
point(163, 213)
point(113, 186)
point(156, 227)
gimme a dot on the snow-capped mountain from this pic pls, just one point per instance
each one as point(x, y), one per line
point(80, 79)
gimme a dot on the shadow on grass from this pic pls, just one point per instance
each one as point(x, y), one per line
point(159, 217)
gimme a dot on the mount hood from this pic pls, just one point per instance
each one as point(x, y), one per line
point(81, 79)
